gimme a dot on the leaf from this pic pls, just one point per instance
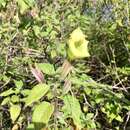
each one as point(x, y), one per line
point(25, 92)
point(15, 127)
point(30, 127)
point(30, 2)
point(15, 98)
point(36, 93)
point(67, 86)
point(119, 22)
point(111, 115)
point(23, 6)
point(18, 84)
point(113, 27)
point(66, 69)
point(5, 101)
point(37, 74)
point(46, 68)
point(7, 92)
point(124, 70)
point(92, 125)
point(118, 118)
point(72, 109)
point(14, 112)
point(42, 113)
point(90, 116)
point(3, 3)
point(36, 30)
point(61, 49)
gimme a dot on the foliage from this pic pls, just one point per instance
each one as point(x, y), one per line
point(42, 114)
point(51, 77)
point(72, 109)
point(14, 112)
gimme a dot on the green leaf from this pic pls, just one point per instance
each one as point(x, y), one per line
point(14, 112)
point(15, 98)
point(7, 92)
point(18, 84)
point(2, 3)
point(5, 101)
point(118, 118)
point(30, 2)
point(23, 6)
point(111, 115)
point(36, 30)
point(124, 70)
point(61, 49)
point(36, 93)
point(30, 127)
point(25, 92)
point(92, 125)
point(90, 116)
point(72, 109)
point(42, 113)
point(46, 68)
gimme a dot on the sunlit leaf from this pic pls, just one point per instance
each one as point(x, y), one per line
point(90, 116)
point(15, 127)
point(7, 92)
point(119, 22)
point(72, 109)
point(5, 101)
point(42, 113)
point(25, 92)
point(46, 68)
point(36, 30)
point(15, 98)
point(119, 118)
point(18, 84)
point(23, 6)
point(30, 127)
point(36, 93)
point(14, 112)
point(2, 3)
point(30, 2)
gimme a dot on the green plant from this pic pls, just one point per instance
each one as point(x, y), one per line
point(51, 77)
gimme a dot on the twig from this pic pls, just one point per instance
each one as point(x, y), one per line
point(86, 102)
point(126, 122)
point(95, 115)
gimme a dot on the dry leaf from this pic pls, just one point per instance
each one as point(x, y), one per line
point(67, 86)
point(37, 74)
point(66, 69)
point(15, 127)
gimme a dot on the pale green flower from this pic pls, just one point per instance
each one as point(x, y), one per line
point(77, 45)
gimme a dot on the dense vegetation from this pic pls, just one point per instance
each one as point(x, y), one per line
point(48, 80)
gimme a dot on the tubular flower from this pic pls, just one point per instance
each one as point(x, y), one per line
point(77, 45)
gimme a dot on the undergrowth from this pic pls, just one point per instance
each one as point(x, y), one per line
point(42, 88)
